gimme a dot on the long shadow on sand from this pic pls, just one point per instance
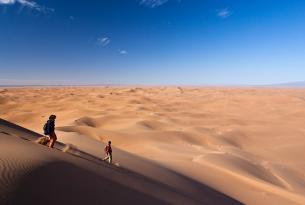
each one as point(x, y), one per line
point(64, 183)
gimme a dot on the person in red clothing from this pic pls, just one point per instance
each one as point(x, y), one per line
point(108, 151)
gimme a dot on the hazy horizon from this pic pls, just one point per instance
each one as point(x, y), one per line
point(283, 84)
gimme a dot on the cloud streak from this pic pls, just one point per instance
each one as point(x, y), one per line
point(224, 13)
point(29, 4)
point(7, 1)
point(104, 41)
point(153, 3)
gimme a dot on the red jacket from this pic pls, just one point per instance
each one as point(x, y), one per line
point(108, 150)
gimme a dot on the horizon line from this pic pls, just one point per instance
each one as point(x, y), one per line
point(296, 84)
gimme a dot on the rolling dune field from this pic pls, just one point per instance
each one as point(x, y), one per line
point(245, 143)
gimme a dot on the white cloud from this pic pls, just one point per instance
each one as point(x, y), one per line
point(72, 18)
point(7, 1)
point(153, 3)
point(27, 3)
point(104, 41)
point(123, 52)
point(224, 13)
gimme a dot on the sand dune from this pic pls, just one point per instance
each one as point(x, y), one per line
point(247, 143)
point(31, 174)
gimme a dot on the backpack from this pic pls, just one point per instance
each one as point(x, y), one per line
point(46, 128)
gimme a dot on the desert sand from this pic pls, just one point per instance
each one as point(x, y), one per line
point(173, 145)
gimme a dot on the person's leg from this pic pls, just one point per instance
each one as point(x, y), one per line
point(53, 139)
point(106, 158)
point(51, 142)
point(110, 158)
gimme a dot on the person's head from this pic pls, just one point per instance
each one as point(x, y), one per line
point(52, 117)
point(109, 142)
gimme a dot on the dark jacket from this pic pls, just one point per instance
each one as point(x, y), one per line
point(51, 126)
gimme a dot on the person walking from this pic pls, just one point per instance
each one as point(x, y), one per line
point(108, 151)
point(49, 129)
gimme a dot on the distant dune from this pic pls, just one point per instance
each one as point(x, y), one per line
point(190, 145)
point(298, 84)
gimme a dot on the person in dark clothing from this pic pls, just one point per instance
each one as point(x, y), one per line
point(108, 151)
point(50, 126)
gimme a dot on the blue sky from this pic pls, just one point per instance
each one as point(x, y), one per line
point(191, 42)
